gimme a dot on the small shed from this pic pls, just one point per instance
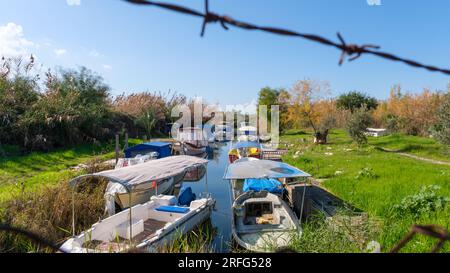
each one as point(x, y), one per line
point(164, 149)
point(376, 132)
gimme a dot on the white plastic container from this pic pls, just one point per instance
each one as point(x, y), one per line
point(164, 200)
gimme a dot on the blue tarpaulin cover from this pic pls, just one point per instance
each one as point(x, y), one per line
point(162, 148)
point(264, 184)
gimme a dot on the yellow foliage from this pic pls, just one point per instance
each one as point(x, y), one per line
point(309, 105)
point(414, 113)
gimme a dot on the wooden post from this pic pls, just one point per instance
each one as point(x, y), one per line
point(126, 141)
point(117, 148)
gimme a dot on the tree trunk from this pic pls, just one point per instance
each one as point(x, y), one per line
point(321, 137)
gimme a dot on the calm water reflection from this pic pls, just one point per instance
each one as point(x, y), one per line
point(219, 189)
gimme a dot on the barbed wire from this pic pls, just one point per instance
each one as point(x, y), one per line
point(30, 235)
point(350, 52)
point(433, 231)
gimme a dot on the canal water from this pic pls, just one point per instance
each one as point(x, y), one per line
point(218, 188)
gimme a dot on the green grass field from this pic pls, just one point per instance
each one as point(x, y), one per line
point(375, 181)
point(367, 177)
point(419, 146)
point(37, 169)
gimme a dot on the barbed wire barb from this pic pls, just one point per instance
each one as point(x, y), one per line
point(352, 51)
point(211, 18)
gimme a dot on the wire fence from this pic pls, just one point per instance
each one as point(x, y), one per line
point(433, 231)
point(440, 233)
point(350, 52)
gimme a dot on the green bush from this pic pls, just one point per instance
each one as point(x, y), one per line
point(73, 109)
point(441, 130)
point(366, 172)
point(18, 92)
point(355, 100)
point(426, 201)
point(357, 125)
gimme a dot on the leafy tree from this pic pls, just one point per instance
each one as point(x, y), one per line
point(441, 130)
point(268, 96)
point(310, 108)
point(355, 100)
point(409, 113)
point(284, 103)
point(148, 121)
point(357, 125)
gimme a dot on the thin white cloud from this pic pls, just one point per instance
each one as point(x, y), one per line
point(12, 41)
point(73, 2)
point(245, 108)
point(47, 42)
point(60, 51)
point(94, 53)
point(107, 66)
point(374, 2)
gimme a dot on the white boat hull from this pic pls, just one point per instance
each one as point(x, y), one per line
point(188, 150)
point(243, 138)
point(223, 136)
point(264, 242)
point(181, 230)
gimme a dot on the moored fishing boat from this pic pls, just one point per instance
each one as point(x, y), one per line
point(223, 132)
point(265, 138)
point(193, 149)
point(245, 149)
point(138, 159)
point(147, 226)
point(261, 220)
point(246, 132)
point(192, 140)
point(195, 174)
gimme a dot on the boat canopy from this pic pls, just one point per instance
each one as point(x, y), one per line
point(246, 144)
point(262, 169)
point(154, 170)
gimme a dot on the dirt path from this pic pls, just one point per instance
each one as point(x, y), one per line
point(433, 161)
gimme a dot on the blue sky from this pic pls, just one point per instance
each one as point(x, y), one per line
point(143, 48)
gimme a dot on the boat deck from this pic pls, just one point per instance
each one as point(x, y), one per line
point(120, 244)
point(150, 228)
